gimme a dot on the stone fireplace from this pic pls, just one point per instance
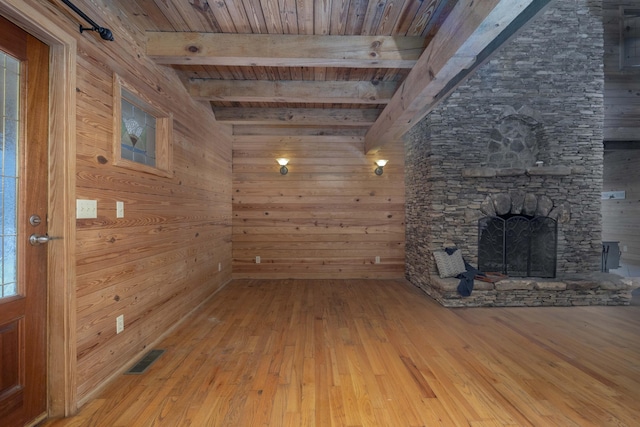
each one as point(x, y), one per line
point(522, 137)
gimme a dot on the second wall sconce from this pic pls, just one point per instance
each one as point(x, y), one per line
point(381, 164)
point(283, 165)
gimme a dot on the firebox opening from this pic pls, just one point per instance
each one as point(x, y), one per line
point(518, 245)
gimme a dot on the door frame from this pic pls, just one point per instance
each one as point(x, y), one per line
point(61, 277)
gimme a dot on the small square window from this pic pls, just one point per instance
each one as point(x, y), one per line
point(630, 38)
point(142, 132)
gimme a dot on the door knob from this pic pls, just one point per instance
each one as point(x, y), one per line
point(36, 239)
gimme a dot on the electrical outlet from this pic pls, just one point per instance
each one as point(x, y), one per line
point(624, 248)
point(119, 209)
point(86, 208)
point(119, 323)
point(377, 260)
point(219, 266)
point(257, 259)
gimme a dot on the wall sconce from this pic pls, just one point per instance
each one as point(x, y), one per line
point(283, 165)
point(381, 164)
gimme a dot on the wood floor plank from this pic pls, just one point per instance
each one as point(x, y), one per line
point(379, 353)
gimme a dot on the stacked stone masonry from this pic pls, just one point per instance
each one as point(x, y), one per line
point(530, 120)
point(584, 289)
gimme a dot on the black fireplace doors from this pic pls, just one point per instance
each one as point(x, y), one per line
point(518, 245)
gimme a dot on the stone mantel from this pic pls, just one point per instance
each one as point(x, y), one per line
point(484, 172)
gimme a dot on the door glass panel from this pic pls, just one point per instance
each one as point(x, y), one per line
point(9, 103)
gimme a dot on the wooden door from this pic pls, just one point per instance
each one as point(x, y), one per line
point(24, 75)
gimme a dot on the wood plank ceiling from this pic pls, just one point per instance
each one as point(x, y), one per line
point(352, 67)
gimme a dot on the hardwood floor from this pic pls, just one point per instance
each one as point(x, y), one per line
point(380, 353)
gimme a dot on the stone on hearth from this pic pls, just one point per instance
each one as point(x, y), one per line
point(613, 285)
point(550, 286)
point(581, 284)
point(511, 285)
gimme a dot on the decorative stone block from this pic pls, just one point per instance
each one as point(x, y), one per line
point(545, 204)
point(561, 213)
point(504, 172)
point(549, 171)
point(530, 204)
point(487, 207)
point(517, 201)
point(479, 172)
point(502, 203)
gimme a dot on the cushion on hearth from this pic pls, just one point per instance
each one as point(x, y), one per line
point(449, 265)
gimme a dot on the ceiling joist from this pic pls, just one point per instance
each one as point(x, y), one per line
point(292, 91)
point(297, 116)
point(284, 50)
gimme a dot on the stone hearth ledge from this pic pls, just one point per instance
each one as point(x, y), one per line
point(570, 290)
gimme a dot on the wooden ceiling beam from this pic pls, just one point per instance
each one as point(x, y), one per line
point(472, 32)
point(297, 116)
point(294, 91)
point(284, 50)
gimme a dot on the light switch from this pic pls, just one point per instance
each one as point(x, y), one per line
point(86, 208)
point(119, 209)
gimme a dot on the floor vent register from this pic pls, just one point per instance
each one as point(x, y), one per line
point(144, 363)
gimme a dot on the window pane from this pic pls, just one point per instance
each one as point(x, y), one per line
point(9, 109)
point(9, 202)
point(631, 38)
point(138, 132)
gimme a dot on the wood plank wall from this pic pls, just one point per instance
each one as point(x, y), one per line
point(621, 123)
point(329, 217)
point(161, 260)
point(622, 216)
point(622, 86)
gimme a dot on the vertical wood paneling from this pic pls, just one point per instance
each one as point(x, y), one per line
point(621, 122)
point(329, 217)
point(622, 86)
point(161, 260)
point(621, 217)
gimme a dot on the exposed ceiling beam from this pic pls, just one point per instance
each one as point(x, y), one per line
point(280, 50)
point(297, 116)
point(471, 33)
point(319, 92)
point(288, 130)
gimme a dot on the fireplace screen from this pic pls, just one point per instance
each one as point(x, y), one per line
point(518, 246)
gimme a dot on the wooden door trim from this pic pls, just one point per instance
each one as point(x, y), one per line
point(62, 396)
